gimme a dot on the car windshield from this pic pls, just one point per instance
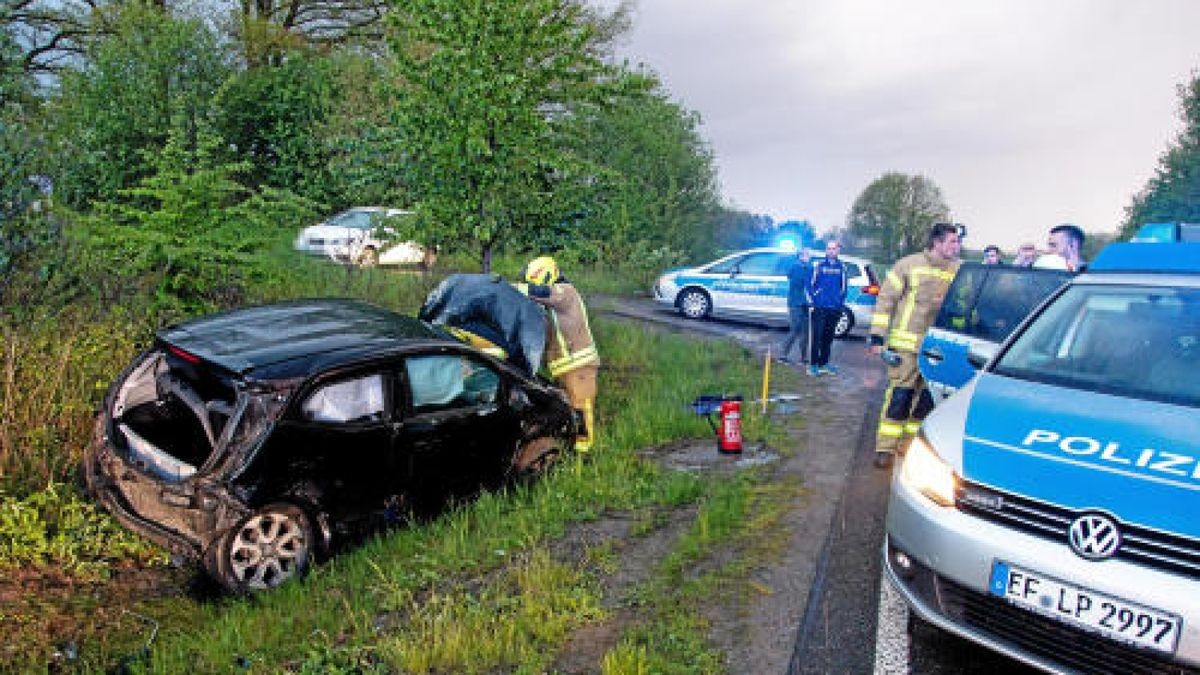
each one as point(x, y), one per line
point(1135, 341)
point(358, 220)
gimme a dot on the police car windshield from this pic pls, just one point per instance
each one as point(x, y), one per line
point(1141, 342)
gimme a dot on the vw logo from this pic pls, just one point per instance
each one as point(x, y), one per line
point(1094, 537)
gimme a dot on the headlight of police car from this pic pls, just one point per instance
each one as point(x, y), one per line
point(926, 473)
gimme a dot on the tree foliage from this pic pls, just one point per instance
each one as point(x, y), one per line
point(487, 90)
point(1173, 193)
point(649, 184)
point(895, 212)
point(157, 75)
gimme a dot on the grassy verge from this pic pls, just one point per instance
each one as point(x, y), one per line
point(474, 591)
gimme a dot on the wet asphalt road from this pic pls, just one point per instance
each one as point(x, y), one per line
point(852, 622)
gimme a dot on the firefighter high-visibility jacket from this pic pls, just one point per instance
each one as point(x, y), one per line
point(569, 343)
point(909, 299)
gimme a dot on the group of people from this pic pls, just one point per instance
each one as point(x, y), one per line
point(816, 294)
point(1064, 251)
point(909, 300)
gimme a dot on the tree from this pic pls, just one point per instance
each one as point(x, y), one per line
point(645, 182)
point(154, 76)
point(896, 211)
point(1173, 193)
point(486, 90)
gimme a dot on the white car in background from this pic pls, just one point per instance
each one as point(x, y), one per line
point(360, 236)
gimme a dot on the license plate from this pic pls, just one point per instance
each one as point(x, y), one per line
point(1100, 613)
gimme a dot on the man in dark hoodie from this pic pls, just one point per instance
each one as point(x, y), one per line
point(827, 288)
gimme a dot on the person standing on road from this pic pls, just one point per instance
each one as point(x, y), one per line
point(827, 288)
point(571, 355)
point(908, 302)
point(798, 302)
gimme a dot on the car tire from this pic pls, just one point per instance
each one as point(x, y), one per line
point(694, 304)
point(845, 324)
point(265, 549)
point(369, 257)
point(536, 457)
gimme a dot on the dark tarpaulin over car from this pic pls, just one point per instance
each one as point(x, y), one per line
point(488, 306)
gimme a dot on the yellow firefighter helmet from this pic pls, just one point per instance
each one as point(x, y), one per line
point(542, 271)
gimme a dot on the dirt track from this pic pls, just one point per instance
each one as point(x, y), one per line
point(825, 422)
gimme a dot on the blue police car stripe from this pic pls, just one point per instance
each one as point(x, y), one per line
point(1137, 460)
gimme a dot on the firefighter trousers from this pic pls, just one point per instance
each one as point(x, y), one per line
point(905, 404)
point(580, 385)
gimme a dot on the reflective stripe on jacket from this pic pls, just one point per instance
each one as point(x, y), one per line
point(909, 299)
point(569, 342)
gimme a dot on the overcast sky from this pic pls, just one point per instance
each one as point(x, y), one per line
point(1027, 113)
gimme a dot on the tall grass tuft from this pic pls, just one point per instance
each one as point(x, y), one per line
point(511, 620)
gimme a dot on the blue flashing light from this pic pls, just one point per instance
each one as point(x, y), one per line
point(1165, 232)
point(788, 242)
point(1182, 257)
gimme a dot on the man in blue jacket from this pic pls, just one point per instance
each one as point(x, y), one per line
point(797, 302)
point(827, 290)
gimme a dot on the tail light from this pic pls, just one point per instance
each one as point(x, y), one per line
point(873, 289)
point(186, 356)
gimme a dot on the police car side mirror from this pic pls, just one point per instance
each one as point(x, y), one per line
point(979, 354)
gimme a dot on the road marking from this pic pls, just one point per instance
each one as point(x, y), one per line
point(891, 632)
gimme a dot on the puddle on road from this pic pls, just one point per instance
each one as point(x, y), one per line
point(701, 456)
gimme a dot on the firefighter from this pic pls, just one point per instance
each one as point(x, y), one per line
point(571, 355)
point(908, 302)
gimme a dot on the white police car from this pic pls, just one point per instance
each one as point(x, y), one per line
point(1050, 509)
point(752, 285)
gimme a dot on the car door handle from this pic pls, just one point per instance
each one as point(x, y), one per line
point(934, 355)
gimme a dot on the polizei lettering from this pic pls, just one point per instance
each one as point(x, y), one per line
point(1153, 460)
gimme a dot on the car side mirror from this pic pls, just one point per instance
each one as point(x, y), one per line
point(978, 354)
point(519, 400)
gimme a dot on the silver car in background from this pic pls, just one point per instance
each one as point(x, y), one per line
point(362, 236)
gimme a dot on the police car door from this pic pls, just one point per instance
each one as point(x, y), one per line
point(984, 305)
point(761, 289)
point(721, 281)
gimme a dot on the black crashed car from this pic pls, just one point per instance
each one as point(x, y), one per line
point(260, 439)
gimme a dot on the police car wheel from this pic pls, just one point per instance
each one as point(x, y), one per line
point(844, 325)
point(694, 304)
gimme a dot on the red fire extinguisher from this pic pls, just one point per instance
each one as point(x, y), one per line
point(729, 436)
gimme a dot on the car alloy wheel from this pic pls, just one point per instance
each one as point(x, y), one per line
point(844, 324)
point(695, 304)
point(265, 549)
